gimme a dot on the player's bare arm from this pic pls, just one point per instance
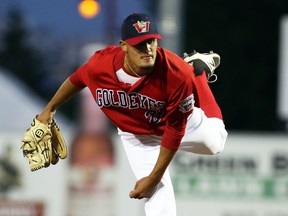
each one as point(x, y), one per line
point(145, 187)
point(66, 91)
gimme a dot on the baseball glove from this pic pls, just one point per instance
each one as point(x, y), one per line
point(43, 144)
point(59, 146)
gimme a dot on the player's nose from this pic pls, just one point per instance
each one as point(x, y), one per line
point(147, 48)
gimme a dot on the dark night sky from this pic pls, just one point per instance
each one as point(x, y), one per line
point(63, 18)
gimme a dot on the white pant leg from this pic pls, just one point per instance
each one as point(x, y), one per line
point(203, 135)
point(142, 152)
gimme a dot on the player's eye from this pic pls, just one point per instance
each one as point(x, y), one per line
point(150, 41)
point(143, 44)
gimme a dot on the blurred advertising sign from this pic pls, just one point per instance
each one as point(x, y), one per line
point(250, 178)
point(19, 208)
point(91, 175)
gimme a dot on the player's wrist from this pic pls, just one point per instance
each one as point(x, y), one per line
point(45, 116)
point(156, 176)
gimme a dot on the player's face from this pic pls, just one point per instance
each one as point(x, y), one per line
point(143, 55)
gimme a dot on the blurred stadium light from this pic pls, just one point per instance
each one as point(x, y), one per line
point(89, 8)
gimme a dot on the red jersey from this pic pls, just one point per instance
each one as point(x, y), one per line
point(157, 104)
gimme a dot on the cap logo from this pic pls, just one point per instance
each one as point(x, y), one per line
point(142, 26)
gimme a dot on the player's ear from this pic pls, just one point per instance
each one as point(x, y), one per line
point(123, 45)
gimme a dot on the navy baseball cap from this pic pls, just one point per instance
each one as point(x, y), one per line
point(138, 27)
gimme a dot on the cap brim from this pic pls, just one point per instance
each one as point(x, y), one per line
point(139, 39)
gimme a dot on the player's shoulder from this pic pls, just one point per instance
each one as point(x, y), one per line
point(105, 54)
point(109, 50)
point(174, 64)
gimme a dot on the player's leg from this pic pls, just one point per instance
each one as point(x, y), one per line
point(205, 131)
point(204, 67)
point(203, 135)
point(142, 152)
point(207, 62)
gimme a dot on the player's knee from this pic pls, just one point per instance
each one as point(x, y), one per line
point(217, 145)
point(208, 148)
point(216, 148)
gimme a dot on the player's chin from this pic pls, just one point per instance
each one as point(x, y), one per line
point(147, 66)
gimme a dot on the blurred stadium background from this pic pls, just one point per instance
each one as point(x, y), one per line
point(42, 42)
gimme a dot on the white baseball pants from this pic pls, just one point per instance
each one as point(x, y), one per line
point(203, 136)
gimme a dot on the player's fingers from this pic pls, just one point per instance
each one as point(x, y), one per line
point(132, 194)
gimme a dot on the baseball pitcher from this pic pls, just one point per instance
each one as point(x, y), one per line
point(159, 102)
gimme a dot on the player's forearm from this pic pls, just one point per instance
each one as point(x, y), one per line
point(146, 186)
point(165, 157)
point(66, 91)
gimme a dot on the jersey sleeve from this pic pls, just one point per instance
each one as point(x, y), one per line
point(83, 76)
point(180, 106)
point(79, 77)
point(176, 122)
